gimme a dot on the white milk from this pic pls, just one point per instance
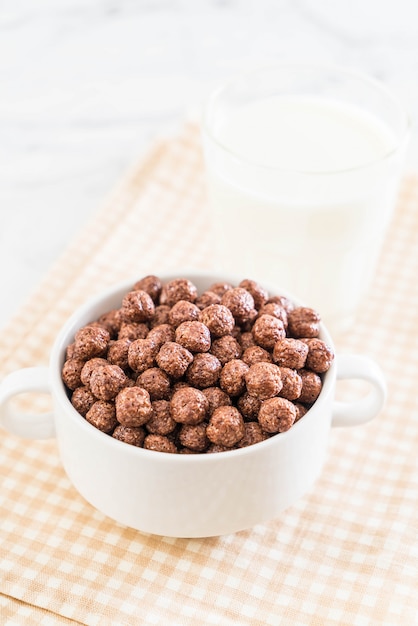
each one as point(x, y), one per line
point(292, 203)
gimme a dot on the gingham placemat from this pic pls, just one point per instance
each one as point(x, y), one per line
point(345, 554)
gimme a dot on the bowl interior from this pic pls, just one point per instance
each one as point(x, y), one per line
point(112, 298)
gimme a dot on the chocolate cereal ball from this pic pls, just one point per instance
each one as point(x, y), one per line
point(107, 381)
point(207, 298)
point(90, 341)
point(180, 384)
point(137, 306)
point(69, 352)
point(247, 340)
point(256, 354)
point(274, 309)
point(133, 407)
point(301, 410)
point(133, 330)
point(218, 318)
point(216, 398)
point(159, 443)
point(214, 447)
point(259, 294)
point(194, 437)
point(263, 380)
point(71, 373)
point(303, 322)
point(89, 367)
point(183, 311)
point(102, 415)
point(226, 426)
point(276, 415)
point(241, 304)
point(267, 330)
point(320, 355)
point(161, 314)
point(311, 386)
point(82, 400)
point(252, 434)
point(249, 406)
point(128, 434)
point(292, 383)
point(174, 359)
point(220, 288)
point(160, 422)
point(117, 353)
point(141, 355)
point(290, 352)
point(232, 378)
point(237, 333)
point(156, 382)
point(194, 336)
point(178, 289)
point(204, 371)
point(189, 406)
point(161, 334)
point(111, 321)
point(247, 326)
point(282, 301)
point(226, 348)
point(151, 285)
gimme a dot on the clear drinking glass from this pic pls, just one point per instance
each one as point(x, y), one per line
point(303, 166)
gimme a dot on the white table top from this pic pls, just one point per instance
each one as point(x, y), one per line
point(86, 85)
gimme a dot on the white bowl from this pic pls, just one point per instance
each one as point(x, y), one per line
point(194, 495)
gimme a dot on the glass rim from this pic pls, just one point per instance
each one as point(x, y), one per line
point(378, 85)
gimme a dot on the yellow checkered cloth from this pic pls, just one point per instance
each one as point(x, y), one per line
point(345, 554)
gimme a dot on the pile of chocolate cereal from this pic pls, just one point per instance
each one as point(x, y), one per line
point(175, 371)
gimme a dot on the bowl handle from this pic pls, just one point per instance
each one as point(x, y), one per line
point(26, 425)
point(361, 367)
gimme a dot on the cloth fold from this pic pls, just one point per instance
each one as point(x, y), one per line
point(345, 554)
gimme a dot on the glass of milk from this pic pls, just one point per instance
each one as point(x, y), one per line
point(303, 165)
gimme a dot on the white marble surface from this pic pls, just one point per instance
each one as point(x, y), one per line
point(87, 84)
